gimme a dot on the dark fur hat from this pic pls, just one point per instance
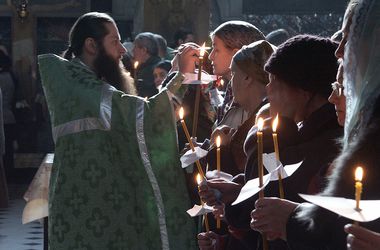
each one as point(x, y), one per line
point(307, 62)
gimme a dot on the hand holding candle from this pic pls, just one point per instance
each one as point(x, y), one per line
point(199, 181)
point(277, 153)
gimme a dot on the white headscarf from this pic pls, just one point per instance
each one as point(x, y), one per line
point(362, 68)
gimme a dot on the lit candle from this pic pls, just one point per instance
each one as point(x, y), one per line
point(218, 140)
point(205, 218)
point(201, 55)
point(260, 125)
point(358, 186)
point(181, 115)
point(198, 91)
point(199, 181)
point(277, 153)
point(136, 64)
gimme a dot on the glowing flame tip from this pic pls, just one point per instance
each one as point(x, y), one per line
point(275, 124)
point(218, 140)
point(359, 174)
point(181, 113)
point(260, 124)
point(203, 50)
point(199, 179)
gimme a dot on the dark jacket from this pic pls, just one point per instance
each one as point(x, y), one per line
point(317, 228)
point(314, 142)
point(145, 81)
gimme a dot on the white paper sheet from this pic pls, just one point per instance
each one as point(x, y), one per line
point(215, 175)
point(272, 166)
point(198, 210)
point(252, 187)
point(192, 156)
point(192, 78)
point(346, 207)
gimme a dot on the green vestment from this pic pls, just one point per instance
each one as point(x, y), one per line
point(116, 181)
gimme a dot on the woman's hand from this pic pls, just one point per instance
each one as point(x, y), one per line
point(360, 238)
point(208, 241)
point(219, 190)
point(271, 215)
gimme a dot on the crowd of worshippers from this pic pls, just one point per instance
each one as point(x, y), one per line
point(304, 80)
point(325, 95)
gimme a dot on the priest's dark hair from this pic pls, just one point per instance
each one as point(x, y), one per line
point(88, 25)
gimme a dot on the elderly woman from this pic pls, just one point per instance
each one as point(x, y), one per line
point(300, 75)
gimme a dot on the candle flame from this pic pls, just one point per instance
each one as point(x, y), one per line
point(199, 179)
point(221, 82)
point(203, 50)
point(218, 140)
point(260, 124)
point(136, 64)
point(181, 113)
point(359, 174)
point(274, 124)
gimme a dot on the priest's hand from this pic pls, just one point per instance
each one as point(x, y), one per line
point(271, 215)
point(360, 238)
point(186, 58)
point(219, 190)
point(209, 241)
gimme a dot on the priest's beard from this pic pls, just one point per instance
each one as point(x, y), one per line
point(113, 72)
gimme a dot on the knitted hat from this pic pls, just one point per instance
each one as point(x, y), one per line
point(306, 62)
